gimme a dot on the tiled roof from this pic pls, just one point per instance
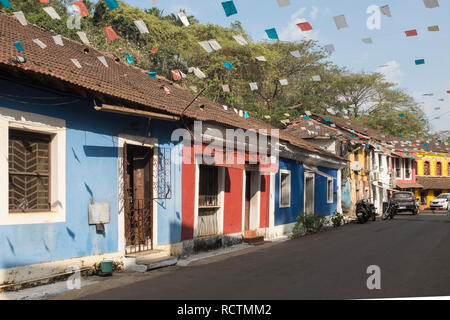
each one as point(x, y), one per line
point(398, 144)
point(353, 126)
point(130, 85)
point(412, 185)
point(312, 129)
point(434, 183)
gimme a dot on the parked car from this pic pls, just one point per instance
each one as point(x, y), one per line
point(406, 201)
point(441, 203)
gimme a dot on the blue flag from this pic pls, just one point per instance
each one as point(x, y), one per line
point(152, 74)
point(228, 65)
point(112, 4)
point(6, 3)
point(272, 33)
point(18, 45)
point(420, 61)
point(229, 8)
point(129, 59)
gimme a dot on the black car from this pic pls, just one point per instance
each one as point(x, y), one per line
point(406, 202)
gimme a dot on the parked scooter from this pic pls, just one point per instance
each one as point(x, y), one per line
point(391, 211)
point(365, 211)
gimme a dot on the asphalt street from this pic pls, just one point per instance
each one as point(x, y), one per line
point(413, 253)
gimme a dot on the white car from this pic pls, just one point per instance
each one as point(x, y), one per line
point(442, 202)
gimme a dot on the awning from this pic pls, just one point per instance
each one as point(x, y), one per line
point(405, 185)
point(315, 170)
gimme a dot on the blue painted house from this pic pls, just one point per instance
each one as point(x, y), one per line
point(307, 183)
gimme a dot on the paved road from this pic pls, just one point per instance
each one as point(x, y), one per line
point(413, 253)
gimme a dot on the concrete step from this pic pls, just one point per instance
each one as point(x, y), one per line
point(254, 240)
point(147, 254)
point(158, 263)
point(148, 260)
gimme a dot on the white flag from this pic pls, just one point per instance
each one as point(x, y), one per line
point(240, 39)
point(102, 59)
point(214, 44)
point(199, 73)
point(76, 63)
point(296, 53)
point(52, 13)
point(40, 43)
point(183, 18)
point(83, 37)
point(141, 26)
point(205, 45)
point(284, 82)
point(58, 40)
point(261, 58)
point(284, 3)
point(253, 86)
point(340, 21)
point(21, 17)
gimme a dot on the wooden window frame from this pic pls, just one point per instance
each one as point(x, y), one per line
point(43, 138)
point(43, 124)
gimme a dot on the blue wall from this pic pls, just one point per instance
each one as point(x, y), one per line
point(91, 171)
point(320, 193)
point(290, 214)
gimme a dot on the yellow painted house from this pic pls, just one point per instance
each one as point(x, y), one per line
point(433, 173)
point(360, 178)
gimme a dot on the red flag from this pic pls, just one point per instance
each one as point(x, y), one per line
point(411, 33)
point(304, 26)
point(44, 1)
point(448, 91)
point(166, 90)
point(81, 7)
point(176, 75)
point(153, 50)
point(111, 34)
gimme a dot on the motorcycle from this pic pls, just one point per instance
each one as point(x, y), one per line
point(365, 211)
point(391, 211)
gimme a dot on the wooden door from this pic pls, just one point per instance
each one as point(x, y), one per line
point(139, 194)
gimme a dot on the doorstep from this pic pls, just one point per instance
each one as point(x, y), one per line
point(251, 237)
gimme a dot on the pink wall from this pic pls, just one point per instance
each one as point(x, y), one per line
point(265, 201)
point(232, 213)
point(188, 197)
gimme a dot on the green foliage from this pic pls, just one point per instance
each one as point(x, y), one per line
point(337, 219)
point(362, 96)
point(307, 224)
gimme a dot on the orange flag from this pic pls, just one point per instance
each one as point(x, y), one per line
point(176, 75)
point(81, 7)
point(111, 34)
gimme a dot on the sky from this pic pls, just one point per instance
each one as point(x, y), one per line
point(391, 53)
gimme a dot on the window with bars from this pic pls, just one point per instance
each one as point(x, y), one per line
point(208, 201)
point(29, 171)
